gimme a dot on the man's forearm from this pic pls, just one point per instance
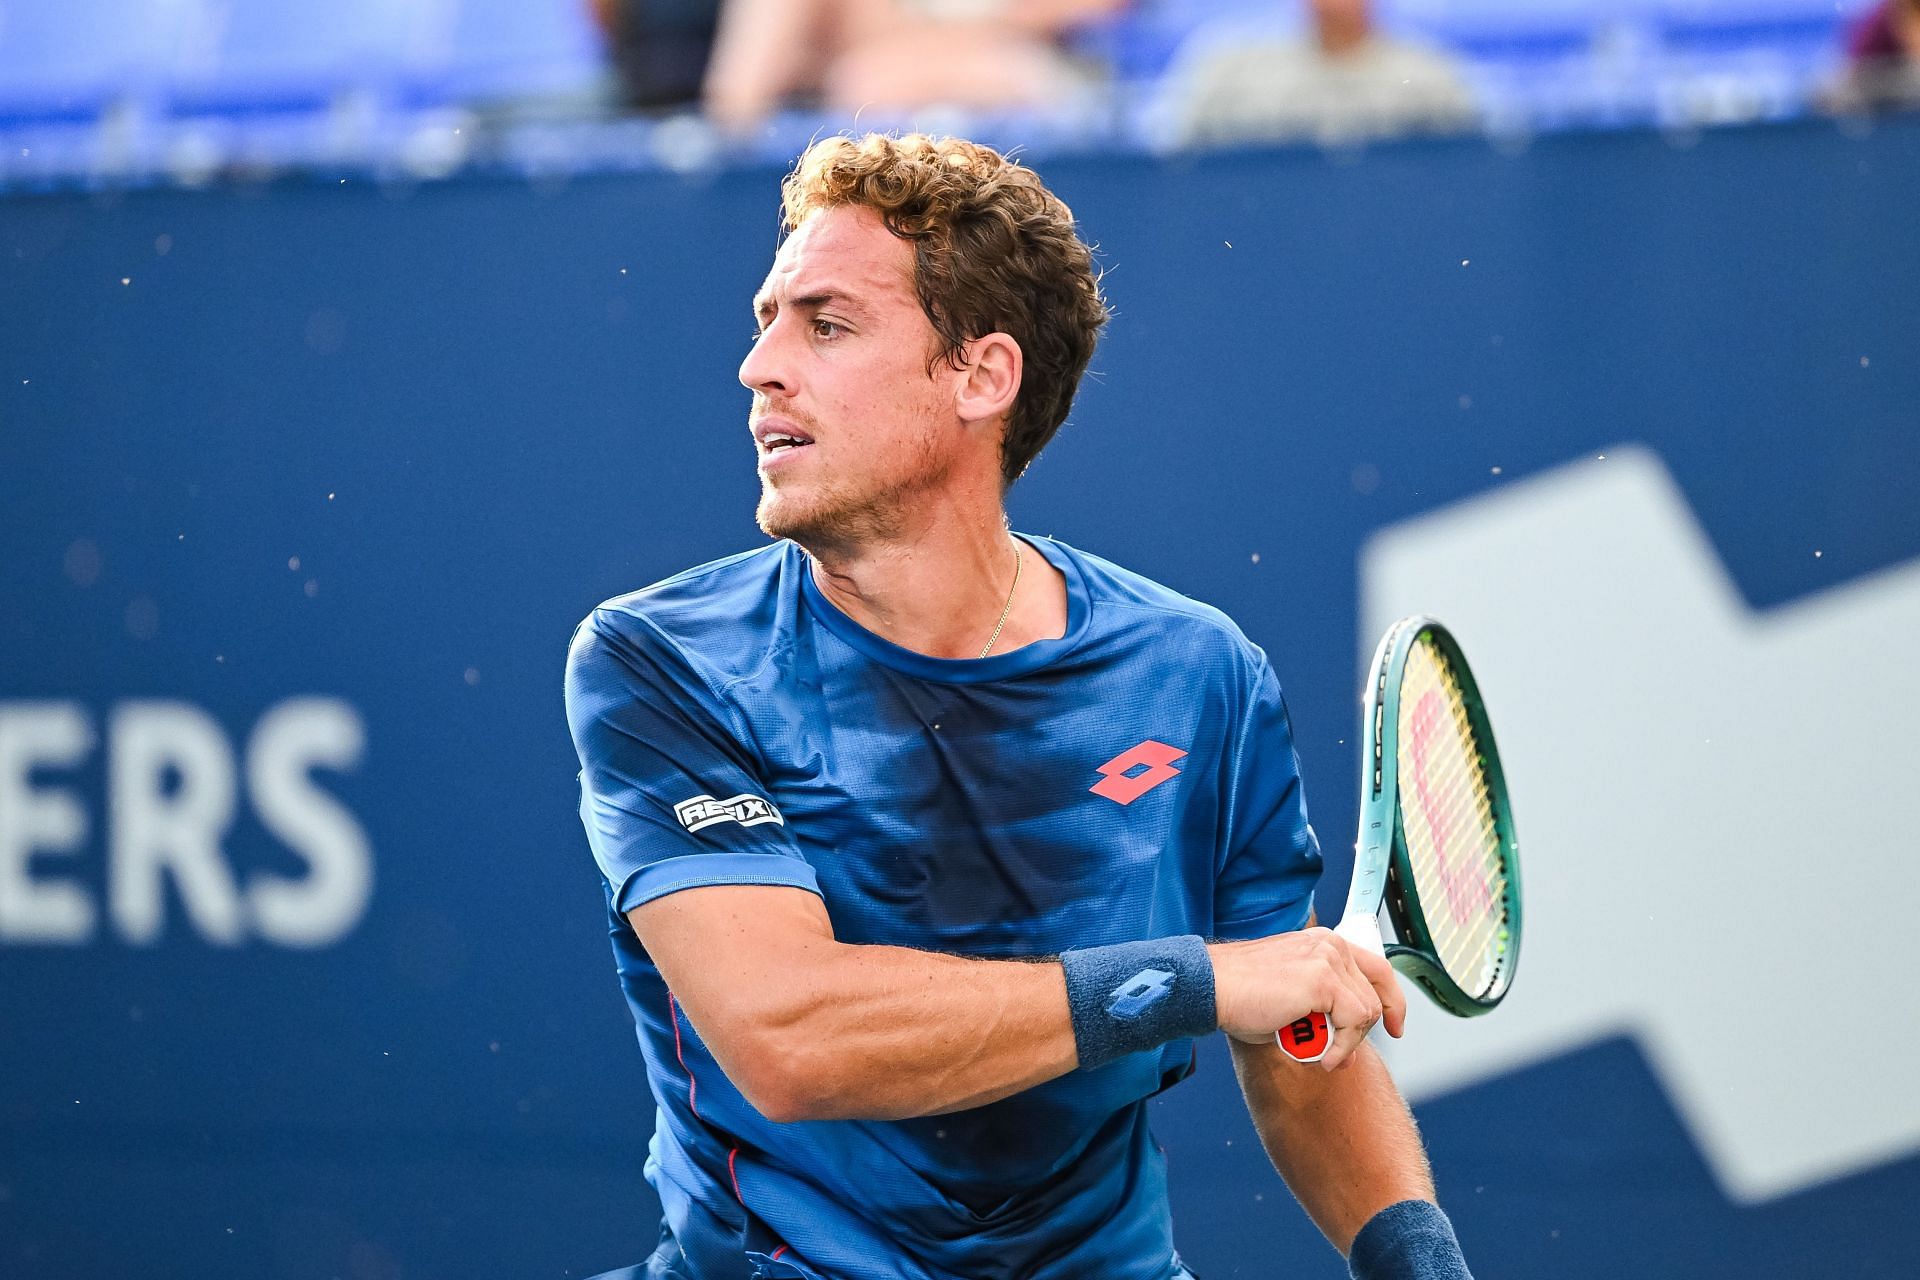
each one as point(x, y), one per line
point(892, 1032)
point(809, 1028)
point(1343, 1140)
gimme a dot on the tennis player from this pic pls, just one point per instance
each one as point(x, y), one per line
point(931, 847)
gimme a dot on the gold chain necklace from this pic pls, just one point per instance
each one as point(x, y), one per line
point(1008, 611)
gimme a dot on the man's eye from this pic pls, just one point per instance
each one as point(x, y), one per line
point(825, 328)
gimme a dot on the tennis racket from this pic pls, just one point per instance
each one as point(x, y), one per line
point(1436, 834)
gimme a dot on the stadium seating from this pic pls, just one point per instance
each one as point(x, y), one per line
point(240, 56)
point(292, 83)
point(77, 59)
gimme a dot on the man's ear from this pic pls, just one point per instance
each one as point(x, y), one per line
point(991, 380)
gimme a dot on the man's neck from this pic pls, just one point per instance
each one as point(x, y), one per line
point(941, 587)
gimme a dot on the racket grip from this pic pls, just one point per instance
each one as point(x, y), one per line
point(1309, 1039)
point(1306, 1040)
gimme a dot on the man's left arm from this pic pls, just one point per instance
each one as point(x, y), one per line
point(1346, 1144)
point(1343, 1139)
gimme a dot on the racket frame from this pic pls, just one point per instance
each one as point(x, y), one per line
point(1382, 867)
point(1413, 953)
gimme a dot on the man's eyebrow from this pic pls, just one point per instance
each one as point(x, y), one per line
point(766, 304)
point(828, 297)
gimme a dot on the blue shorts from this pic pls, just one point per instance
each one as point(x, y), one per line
point(645, 1271)
point(668, 1263)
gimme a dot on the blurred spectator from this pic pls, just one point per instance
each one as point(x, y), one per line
point(1339, 79)
point(1883, 60)
point(893, 54)
point(659, 47)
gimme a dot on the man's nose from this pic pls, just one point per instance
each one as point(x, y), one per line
point(766, 370)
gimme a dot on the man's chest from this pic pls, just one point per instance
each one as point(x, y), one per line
point(1003, 820)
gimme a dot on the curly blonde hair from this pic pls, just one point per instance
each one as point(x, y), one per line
point(993, 251)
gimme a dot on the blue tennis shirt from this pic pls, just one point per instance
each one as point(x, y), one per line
point(1133, 779)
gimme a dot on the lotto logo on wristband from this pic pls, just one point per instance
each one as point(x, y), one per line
point(1139, 993)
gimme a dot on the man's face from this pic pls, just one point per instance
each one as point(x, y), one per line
point(841, 365)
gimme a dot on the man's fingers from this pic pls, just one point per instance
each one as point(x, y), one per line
point(1386, 985)
point(1345, 1041)
point(1356, 1007)
point(1368, 992)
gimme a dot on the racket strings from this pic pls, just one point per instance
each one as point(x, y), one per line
point(1470, 950)
point(1450, 795)
point(1452, 833)
point(1464, 804)
point(1482, 881)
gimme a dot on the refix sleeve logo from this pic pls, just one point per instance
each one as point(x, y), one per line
point(704, 811)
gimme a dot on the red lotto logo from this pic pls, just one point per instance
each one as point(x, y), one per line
point(1153, 760)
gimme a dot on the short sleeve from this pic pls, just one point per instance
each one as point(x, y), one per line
point(1265, 886)
point(670, 795)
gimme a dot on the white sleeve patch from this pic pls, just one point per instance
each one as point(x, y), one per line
point(748, 811)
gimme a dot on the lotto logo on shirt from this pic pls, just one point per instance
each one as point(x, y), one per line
point(1136, 771)
point(748, 811)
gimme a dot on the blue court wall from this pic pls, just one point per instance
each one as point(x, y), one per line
point(303, 487)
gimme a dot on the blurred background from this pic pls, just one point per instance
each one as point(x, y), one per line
point(188, 92)
point(350, 353)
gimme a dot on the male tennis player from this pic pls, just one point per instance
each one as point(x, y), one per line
point(915, 830)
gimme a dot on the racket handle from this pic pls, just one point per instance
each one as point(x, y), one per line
point(1306, 1040)
point(1309, 1039)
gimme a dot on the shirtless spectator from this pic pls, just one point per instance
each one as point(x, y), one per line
point(893, 54)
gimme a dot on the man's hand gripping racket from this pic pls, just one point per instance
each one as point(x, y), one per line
point(1436, 837)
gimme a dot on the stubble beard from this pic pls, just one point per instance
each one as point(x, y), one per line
point(836, 521)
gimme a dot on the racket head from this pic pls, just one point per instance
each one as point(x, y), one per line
point(1453, 877)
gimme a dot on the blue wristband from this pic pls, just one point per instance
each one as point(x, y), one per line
point(1411, 1240)
point(1138, 995)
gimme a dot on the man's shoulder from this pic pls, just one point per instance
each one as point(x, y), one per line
point(1133, 596)
point(705, 591)
point(717, 615)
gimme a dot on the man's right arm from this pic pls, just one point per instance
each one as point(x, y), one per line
point(810, 1028)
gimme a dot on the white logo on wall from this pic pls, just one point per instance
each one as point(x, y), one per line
point(172, 793)
point(704, 811)
point(1689, 778)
